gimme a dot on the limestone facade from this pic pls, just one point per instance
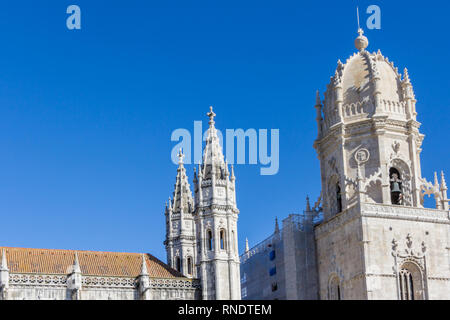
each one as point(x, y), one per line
point(373, 237)
point(43, 274)
point(377, 240)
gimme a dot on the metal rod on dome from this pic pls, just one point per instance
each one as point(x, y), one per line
point(357, 17)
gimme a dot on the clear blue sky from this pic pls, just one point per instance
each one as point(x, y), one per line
point(86, 116)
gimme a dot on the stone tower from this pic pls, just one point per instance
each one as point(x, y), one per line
point(369, 128)
point(180, 225)
point(369, 148)
point(206, 229)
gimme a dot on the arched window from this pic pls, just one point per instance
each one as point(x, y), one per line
point(209, 240)
point(233, 241)
point(338, 198)
point(396, 186)
point(178, 263)
point(189, 265)
point(222, 239)
point(334, 288)
point(410, 282)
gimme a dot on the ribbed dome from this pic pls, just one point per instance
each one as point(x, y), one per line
point(358, 73)
point(364, 81)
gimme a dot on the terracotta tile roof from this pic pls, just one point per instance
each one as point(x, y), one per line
point(119, 264)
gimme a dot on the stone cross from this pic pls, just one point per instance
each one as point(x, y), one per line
point(211, 115)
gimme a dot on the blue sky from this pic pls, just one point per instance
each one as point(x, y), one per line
point(86, 116)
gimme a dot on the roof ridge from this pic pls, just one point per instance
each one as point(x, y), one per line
point(75, 250)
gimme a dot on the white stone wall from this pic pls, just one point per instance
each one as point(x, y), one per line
point(357, 246)
point(53, 287)
point(340, 253)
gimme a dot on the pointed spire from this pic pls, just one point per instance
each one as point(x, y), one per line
point(308, 206)
point(144, 271)
point(436, 182)
point(170, 204)
point(213, 159)
point(4, 265)
point(199, 171)
point(406, 76)
point(318, 102)
point(182, 195)
point(247, 249)
point(443, 183)
point(277, 227)
point(76, 264)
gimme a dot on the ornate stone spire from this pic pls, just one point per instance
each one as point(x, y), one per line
point(213, 159)
point(76, 265)
point(247, 249)
point(443, 183)
point(436, 181)
point(182, 195)
point(319, 118)
point(277, 227)
point(308, 206)
point(232, 177)
point(406, 76)
point(318, 101)
point(144, 280)
point(144, 271)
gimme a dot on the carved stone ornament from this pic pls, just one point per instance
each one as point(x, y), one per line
point(362, 155)
point(396, 146)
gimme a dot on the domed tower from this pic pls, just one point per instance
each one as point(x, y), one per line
point(377, 241)
point(368, 130)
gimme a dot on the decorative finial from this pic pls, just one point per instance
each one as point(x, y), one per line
point(170, 204)
point(200, 170)
point(195, 175)
point(277, 228)
point(436, 182)
point(361, 42)
point(76, 264)
point(247, 249)
point(144, 271)
point(211, 116)
point(180, 156)
point(406, 75)
point(443, 183)
point(308, 206)
point(318, 102)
